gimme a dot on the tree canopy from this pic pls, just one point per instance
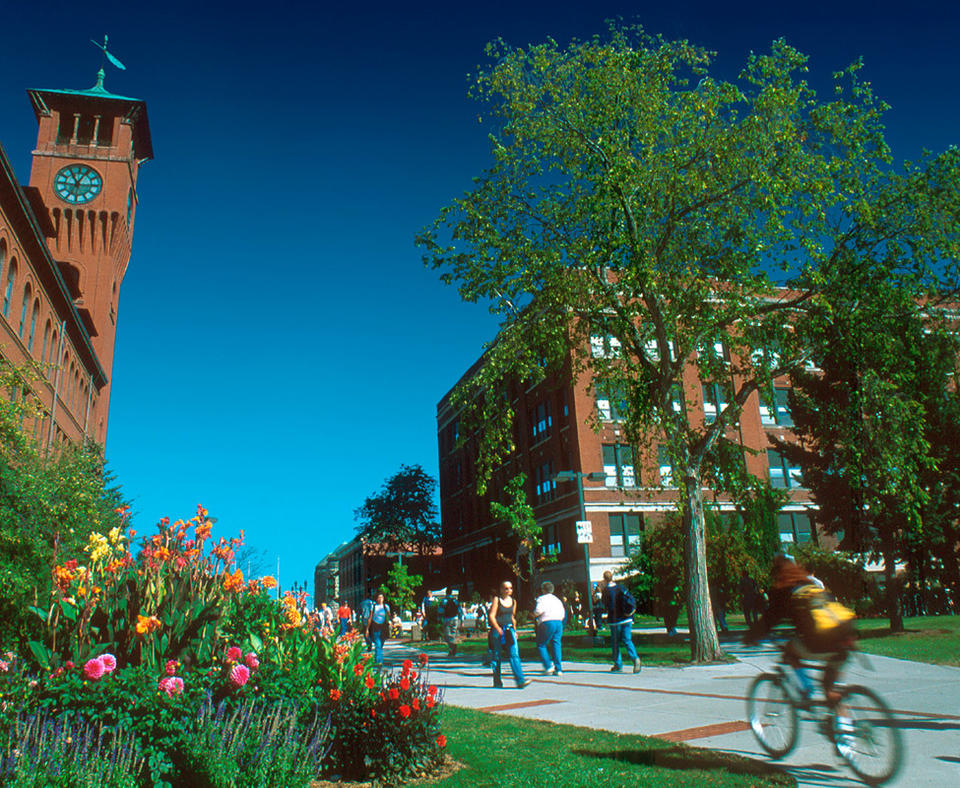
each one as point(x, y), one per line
point(402, 516)
point(648, 217)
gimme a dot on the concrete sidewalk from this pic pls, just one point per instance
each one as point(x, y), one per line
point(705, 706)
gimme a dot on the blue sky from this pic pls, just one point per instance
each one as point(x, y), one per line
point(281, 348)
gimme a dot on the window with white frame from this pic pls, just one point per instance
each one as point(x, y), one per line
point(794, 527)
point(778, 414)
point(610, 406)
point(625, 531)
point(714, 401)
point(782, 473)
point(605, 346)
point(665, 466)
point(618, 465)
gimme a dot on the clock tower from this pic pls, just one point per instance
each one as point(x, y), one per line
point(90, 146)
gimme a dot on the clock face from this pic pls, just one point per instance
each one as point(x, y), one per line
point(78, 184)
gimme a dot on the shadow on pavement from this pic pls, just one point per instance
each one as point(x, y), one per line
point(680, 757)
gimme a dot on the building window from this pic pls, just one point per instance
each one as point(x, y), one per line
point(625, 532)
point(33, 325)
point(551, 540)
point(23, 310)
point(715, 351)
point(665, 466)
point(714, 401)
point(541, 421)
point(778, 414)
point(794, 527)
point(46, 344)
point(605, 346)
point(8, 291)
point(782, 473)
point(618, 466)
point(544, 484)
point(610, 406)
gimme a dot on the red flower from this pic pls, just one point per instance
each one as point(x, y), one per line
point(413, 675)
point(431, 690)
point(441, 741)
point(357, 670)
point(234, 654)
point(334, 695)
point(429, 701)
point(416, 704)
point(407, 664)
point(171, 667)
point(404, 711)
point(404, 683)
point(394, 693)
point(423, 660)
point(370, 682)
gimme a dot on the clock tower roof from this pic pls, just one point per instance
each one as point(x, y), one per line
point(98, 98)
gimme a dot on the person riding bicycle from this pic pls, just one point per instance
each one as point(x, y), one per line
point(824, 627)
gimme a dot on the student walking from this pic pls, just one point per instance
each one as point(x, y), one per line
point(549, 613)
point(503, 623)
point(378, 627)
point(619, 604)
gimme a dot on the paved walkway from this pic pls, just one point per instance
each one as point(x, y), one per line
point(705, 706)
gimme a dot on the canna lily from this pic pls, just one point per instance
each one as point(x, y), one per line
point(147, 624)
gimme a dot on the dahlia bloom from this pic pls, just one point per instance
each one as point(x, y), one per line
point(234, 654)
point(93, 669)
point(239, 675)
point(109, 662)
point(252, 661)
point(172, 685)
point(171, 667)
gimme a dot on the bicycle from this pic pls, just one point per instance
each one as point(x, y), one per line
point(869, 743)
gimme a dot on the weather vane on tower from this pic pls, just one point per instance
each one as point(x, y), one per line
point(106, 56)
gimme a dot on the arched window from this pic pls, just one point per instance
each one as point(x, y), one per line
point(8, 290)
point(53, 354)
point(23, 309)
point(33, 324)
point(46, 344)
point(3, 257)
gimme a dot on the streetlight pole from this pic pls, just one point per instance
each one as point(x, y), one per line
point(597, 476)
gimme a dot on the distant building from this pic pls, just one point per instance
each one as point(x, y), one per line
point(357, 567)
point(65, 242)
point(636, 492)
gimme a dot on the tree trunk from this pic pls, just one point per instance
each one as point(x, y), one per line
point(704, 644)
point(892, 591)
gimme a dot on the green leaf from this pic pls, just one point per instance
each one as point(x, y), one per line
point(69, 611)
point(41, 652)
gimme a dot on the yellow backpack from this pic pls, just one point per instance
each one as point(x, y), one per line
point(824, 611)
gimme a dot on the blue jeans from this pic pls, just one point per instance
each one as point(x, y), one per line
point(514, 656)
point(548, 640)
point(376, 632)
point(620, 636)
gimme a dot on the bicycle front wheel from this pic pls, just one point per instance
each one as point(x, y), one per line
point(870, 743)
point(772, 715)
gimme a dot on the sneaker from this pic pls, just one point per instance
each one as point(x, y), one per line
point(558, 673)
point(844, 736)
point(525, 683)
point(616, 669)
point(636, 665)
point(551, 671)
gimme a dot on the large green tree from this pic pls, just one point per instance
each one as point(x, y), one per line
point(402, 515)
point(50, 502)
point(640, 210)
point(873, 423)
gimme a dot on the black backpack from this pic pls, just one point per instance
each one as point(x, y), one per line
point(451, 609)
point(628, 604)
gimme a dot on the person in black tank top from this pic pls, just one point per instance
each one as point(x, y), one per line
point(503, 622)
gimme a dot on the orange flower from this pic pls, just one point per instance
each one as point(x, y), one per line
point(162, 554)
point(269, 582)
point(334, 694)
point(147, 624)
point(233, 582)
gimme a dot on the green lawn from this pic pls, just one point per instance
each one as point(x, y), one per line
point(507, 752)
point(933, 639)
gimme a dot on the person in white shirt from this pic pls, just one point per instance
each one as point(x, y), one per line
point(549, 614)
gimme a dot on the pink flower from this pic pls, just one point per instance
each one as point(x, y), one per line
point(68, 665)
point(109, 662)
point(252, 661)
point(171, 667)
point(240, 675)
point(4, 666)
point(93, 669)
point(234, 654)
point(172, 685)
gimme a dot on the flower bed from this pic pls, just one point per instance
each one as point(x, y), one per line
point(173, 670)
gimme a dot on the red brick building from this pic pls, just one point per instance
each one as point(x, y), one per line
point(634, 492)
point(65, 242)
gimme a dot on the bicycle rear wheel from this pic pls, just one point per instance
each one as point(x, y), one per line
point(772, 715)
point(871, 745)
